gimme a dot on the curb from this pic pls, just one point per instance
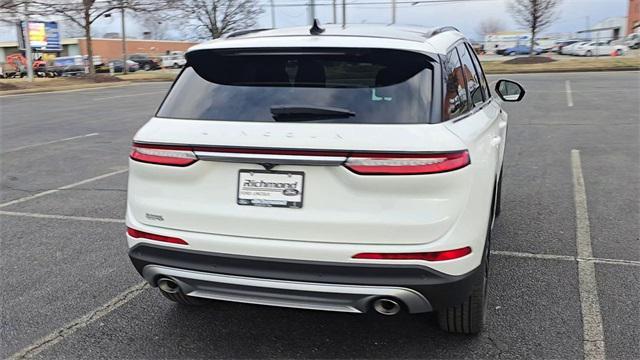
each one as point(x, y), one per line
point(541, 71)
point(63, 88)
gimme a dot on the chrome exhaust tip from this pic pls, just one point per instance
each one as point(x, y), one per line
point(386, 306)
point(168, 285)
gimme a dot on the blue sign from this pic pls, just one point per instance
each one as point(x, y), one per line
point(54, 42)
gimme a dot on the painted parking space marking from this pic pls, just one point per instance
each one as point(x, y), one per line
point(53, 191)
point(129, 95)
point(60, 217)
point(593, 333)
point(61, 333)
point(567, 85)
point(50, 142)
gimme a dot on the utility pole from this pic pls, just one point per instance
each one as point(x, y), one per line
point(393, 11)
point(27, 43)
point(335, 17)
point(273, 15)
point(312, 11)
point(124, 38)
point(344, 13)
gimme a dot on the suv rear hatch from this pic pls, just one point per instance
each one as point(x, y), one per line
point(326, 145)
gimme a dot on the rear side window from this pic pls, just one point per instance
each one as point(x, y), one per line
point(371, 86)
point(483, 80)
point(455, 99)
point(471, 76)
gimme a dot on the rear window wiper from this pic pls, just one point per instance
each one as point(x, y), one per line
point(308, 113)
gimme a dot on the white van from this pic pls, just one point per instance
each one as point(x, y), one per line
point(173, 61)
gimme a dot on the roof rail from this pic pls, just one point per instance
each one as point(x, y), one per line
point(440, 30)
point(244, 32)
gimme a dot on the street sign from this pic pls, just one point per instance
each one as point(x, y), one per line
point(44, 36)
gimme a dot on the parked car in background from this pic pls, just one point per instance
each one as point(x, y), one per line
point(521, 50)
point(632, 41)
point(561, 44)
point(599, 48)
point(278, 178)
point(132, 66)
point(570, 49)
point(173, 61)
point(145, 62)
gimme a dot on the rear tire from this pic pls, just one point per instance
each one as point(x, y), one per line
point(469, 317)
point(183, 299)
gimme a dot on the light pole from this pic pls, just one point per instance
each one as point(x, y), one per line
point(273, 14)
point(27, 43)
point(312, 11)
point(344, 13)
point(393, 11)
point(335, 20)
point(124, 39)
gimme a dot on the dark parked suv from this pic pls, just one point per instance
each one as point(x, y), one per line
point(145, 62)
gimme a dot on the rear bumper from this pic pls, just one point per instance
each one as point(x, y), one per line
point(346, 287)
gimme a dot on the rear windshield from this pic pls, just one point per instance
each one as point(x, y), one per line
point(332, 86)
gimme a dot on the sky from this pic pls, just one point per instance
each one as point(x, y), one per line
point(573, 15)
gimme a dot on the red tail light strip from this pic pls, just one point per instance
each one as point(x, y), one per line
point(426, 256)
point(407, 164)
point(363, 163)
point(145, 235)
point(173, 156)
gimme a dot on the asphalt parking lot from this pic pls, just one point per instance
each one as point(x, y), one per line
point(69, 291)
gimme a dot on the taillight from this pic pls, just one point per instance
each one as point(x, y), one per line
point(161, 155)
point(407, 164)
point(145, 235)
point(426, 256)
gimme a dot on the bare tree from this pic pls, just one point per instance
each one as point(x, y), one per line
point(84, 13)
point(11, 10)
point(214, 18)
point(490, 26)
point(535, 15)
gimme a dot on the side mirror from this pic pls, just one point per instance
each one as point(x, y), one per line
point(509, 90)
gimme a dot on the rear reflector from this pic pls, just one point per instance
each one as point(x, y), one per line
point(141, 234)
point(426, 256)
point(173, 156)
point(407, 164)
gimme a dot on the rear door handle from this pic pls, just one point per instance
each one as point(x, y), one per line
point(496, 141)
point(502, 124)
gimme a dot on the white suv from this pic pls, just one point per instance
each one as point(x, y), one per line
point(342, 169)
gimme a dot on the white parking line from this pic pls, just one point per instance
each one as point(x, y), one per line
point(40, 93)
point(129, 95)
point(592, 331)
point(564, 258)
point(59, 334)
point(60, 217)
point(567, 85)
point(50, 142)
point(30, 197)
point(533, 256)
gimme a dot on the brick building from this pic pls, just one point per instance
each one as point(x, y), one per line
point(110, 49)
point(633, 18)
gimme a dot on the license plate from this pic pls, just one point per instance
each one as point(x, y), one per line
point(270, 188)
